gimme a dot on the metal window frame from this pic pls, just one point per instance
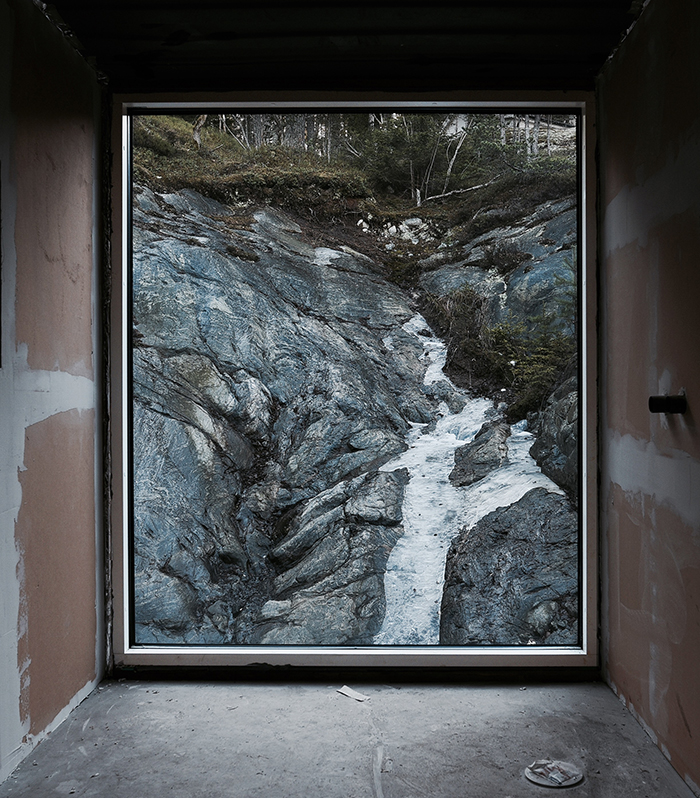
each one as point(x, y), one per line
point(127, 655)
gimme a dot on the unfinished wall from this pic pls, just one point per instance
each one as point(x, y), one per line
point(50, 563)
point(650, 308)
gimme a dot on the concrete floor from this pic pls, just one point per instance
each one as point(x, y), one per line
point(147, 739)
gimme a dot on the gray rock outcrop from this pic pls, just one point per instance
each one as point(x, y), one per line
point(333, 558)
point(263, 389)
point(539, 248)
point(485, 453)
point(556, 447)
point(512, 579)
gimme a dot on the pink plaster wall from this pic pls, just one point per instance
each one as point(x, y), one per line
point(50, 393)
point(649, 121)
point(53, 100)
point(55, 535)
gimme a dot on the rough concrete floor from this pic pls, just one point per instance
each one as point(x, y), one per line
point(150, 739)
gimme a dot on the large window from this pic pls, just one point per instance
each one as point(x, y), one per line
point(354, 385)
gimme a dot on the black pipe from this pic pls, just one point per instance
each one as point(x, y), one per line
point(668, 404)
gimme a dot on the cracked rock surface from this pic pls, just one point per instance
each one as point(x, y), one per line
point(556, 448)
point(543, 241)
point(264, 402)
point(512, 579)
point(484, 454)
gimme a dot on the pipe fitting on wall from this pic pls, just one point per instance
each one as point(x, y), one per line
point(668, 404)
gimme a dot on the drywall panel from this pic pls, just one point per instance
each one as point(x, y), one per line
point(56, 545)
point(650, 335)
point(50, 583)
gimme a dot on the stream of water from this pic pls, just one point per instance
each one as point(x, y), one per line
point(434, 510)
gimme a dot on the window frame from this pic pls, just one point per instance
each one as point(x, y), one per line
point(125, 654)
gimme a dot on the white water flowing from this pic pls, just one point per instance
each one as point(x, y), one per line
point(434, 510)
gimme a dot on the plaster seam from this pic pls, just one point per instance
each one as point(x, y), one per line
point(669, 192)
point(649, 731)
point(639, 467)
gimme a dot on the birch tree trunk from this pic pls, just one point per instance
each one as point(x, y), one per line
point(311, 132)
point(460, 141)
point(527, 136)
point(256, 123)
point(535, 143)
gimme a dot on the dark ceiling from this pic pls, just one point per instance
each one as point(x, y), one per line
point(214, 45)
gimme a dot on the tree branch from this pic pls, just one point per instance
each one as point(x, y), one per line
point(461, 190)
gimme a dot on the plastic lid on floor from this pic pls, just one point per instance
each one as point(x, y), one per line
point(553, 773)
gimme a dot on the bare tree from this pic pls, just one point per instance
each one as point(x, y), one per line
point(256, 130)
point(460, 141)
point(197, 129)
point(527, 136)
point(295, 135)
point(311, 132)
point(240, 121)
point(535, 141)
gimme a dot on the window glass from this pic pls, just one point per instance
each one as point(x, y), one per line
point(354, 374)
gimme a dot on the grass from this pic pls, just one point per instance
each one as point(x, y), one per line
point(167, 158)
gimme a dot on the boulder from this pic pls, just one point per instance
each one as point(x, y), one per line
point(512, 579)
point(556, 448)
point(485, 453)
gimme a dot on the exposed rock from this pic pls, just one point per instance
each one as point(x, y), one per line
point(538, 285)
point(485, 453)
point(556, 447)
point(446, 392)
point(513, 578)
point(411, 230)
point(272, 379)
point(262, 383)
point(532, 286)
point(331, 588)
point(454, 277)
point(538, 288)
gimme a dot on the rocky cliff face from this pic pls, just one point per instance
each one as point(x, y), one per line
point(272, 379)
point(513, 577)
point(523, 270)
point(264, 401)
point(556, 448)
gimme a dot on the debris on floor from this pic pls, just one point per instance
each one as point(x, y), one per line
point(549, 773)
point(350, 693)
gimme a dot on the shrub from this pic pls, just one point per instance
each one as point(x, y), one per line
point(544, 362)
point(488, 359)
point(504, 257)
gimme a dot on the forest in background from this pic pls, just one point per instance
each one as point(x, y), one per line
point(410, 158)
point(351, 176)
